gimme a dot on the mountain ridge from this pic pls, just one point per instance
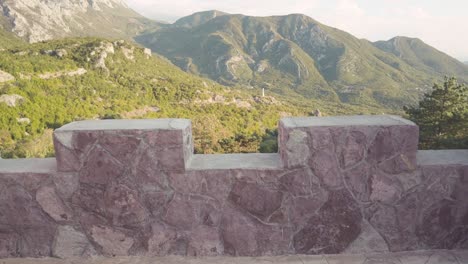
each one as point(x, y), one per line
point(419, 54)
point(295, 54)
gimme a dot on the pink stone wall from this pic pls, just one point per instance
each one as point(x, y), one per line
point(349, 184)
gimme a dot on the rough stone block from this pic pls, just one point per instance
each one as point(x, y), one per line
point(123, 140)
point(352, 139)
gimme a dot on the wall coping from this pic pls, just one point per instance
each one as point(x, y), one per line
point(234, 161)
point(257, 161)
point(47, 165)
point(126, 124)
point(361, 120)
point(443, 157)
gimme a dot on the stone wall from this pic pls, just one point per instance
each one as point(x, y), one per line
point(133, 187)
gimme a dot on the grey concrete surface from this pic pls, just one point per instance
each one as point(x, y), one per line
point(48, 165)
point(413, 257)
point(443, 157)
point(235, 161)
point(126, 124)
point(360, 120)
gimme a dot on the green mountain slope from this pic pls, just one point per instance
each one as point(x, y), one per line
point(60, 81)
point(291, 55)
point(423, 57)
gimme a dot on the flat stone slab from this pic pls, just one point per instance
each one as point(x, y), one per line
point(235, 161)
point(412, 257)
point(126, 124)
point(443, 157)
point(362, 120)
point(48, 165)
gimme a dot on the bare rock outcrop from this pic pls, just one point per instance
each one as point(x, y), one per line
point(128, 52)
point(11, 100)
point(53, 75)
point(39, 20)
point(5, 77)
point(147, 53)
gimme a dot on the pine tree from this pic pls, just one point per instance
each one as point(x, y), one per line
point(442, 116)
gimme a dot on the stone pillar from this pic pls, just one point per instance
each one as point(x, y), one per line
point(95, 144)
point(338, 146)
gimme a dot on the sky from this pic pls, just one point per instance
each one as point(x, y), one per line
point(442, 24)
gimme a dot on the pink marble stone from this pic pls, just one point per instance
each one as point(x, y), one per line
point(67, 160)
point(332, 229)
point(325, 165)
point(161, 240)
point(121, 147)
point(100, 168)
point(258, 200)
point(359, 181)
point(188, 211)
point(23, 224)
point(113, 242)
point(205, 241)
point(123, 206)
point(353, 150)
point(52, 204)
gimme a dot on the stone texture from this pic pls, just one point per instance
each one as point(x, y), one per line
point(258, 200)
point(332, 229)
point(188, 211)
point(205, 241)
point(369, 241)
point(112, 242)
point(161, 240)
point(71, 243)
point(325, 165)
point(129, 187)
point(296, 151)
point(353, 150)
point(245, 236)
point(26, 229)
point(100, 168)
point(52, 204)
point(123, 207)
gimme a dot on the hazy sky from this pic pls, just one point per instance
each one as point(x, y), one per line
point(440, 23)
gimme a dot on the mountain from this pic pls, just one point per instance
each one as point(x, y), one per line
point(48, 84)
point(38, 20)
point(8, 39)
point(198, 18)
point(423, 57)
point(295, 55)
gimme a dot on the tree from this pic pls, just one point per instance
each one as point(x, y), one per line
point(442, 116)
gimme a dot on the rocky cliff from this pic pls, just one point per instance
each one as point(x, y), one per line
point(38, 20)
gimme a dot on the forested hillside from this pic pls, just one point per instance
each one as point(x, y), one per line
point(53, 83)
